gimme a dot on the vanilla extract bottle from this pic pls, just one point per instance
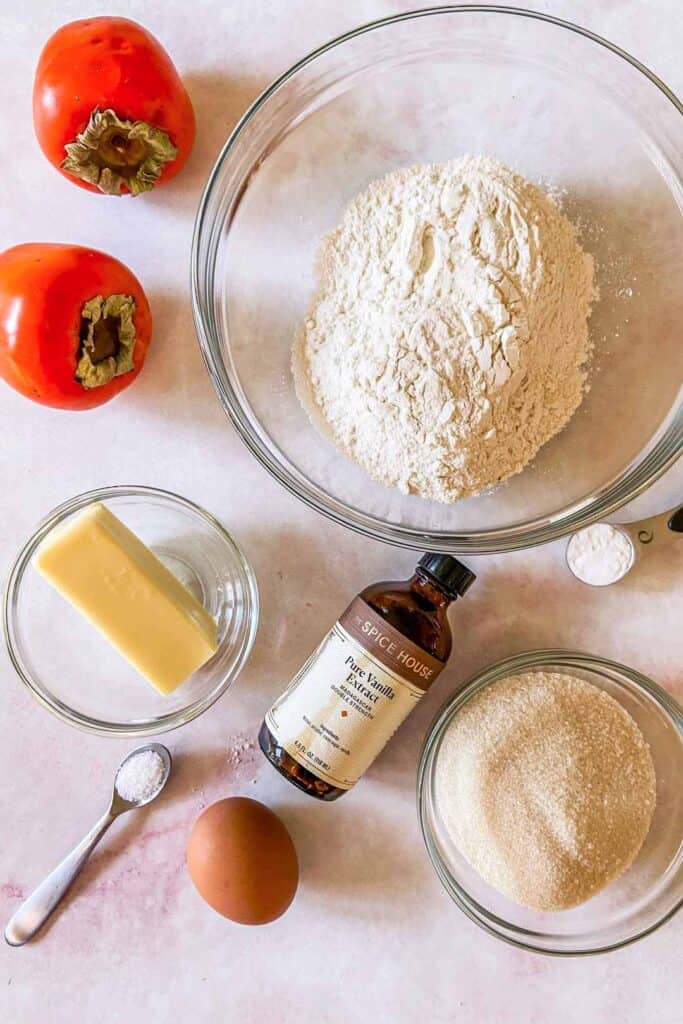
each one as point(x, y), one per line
point(364, 679)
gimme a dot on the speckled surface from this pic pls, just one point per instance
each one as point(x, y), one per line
point(371, 935)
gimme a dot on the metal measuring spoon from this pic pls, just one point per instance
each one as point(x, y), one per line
point(34, 912)
point(642, 535)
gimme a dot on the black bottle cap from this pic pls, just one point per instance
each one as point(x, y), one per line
point(454, 577)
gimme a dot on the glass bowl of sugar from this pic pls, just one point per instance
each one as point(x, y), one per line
point(635, 902)
point(75, 672)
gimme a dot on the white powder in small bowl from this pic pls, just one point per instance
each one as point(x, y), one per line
point(601, 554)
point(140, 776)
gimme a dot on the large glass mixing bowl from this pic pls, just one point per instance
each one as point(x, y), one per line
point(562, 106)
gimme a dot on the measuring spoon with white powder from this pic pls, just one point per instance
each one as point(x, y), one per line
point(603, 553)
point(140, 778)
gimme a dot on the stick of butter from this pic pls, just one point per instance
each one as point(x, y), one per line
point(123, 589)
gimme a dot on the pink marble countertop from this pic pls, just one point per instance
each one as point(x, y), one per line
point(371, 934)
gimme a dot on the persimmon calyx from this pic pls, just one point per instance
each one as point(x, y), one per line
point(112, 153)
point(107, 339)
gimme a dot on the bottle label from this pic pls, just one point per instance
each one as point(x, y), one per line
point(352, 694)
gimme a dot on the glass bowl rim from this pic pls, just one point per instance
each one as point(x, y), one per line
point(527, 660)
point(88, 723)
point(636, 478)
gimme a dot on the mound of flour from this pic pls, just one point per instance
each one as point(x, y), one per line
point(447, 340)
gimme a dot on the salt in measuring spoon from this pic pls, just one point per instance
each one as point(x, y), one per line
point(34, 912)
point(634, 539)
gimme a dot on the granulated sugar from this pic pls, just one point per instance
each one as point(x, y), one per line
point(546, 785)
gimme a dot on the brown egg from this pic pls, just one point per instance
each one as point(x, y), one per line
point(242, 861)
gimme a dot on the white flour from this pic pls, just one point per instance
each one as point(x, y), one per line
point(447, 340)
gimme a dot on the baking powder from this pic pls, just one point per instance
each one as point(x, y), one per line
point(601, 554)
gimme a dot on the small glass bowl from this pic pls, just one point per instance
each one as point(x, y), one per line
point(70, 667)
point(640, 900)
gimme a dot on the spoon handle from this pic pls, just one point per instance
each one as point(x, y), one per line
point(675, 522)
point(34, 912)
point(665, 526)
